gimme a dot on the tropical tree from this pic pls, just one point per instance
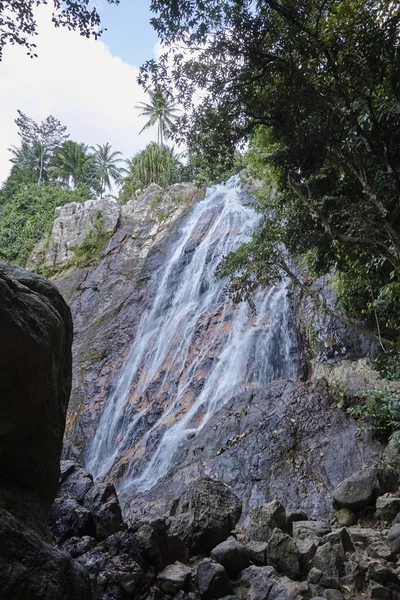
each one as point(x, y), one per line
point(39, 140)
point(107, 164)
point(33, 158)
point(74, 164)
point(155, 164)
point(161, 110)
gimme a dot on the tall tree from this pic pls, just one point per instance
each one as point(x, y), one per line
point(73, 164)
point(107, 164)
point(18, 23)
point(38, 142)
point(161, 110)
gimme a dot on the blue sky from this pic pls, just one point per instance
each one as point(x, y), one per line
point(129, 34)
point(91, 86)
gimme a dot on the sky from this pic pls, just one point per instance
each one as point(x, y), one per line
point(89, 85)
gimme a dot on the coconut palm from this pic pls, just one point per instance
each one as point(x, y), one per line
point(73, 163)
point(33, 157)
point(107, 166)
point(161, 110)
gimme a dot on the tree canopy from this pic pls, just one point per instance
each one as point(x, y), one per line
point(18, 23)
point(314, 85)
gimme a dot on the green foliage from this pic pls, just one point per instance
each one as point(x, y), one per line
point(27, 213)
point(380, 411)
point(155, 164)
point(323, 123)
point(87, 253)
point(161, 110)
point(388, 363)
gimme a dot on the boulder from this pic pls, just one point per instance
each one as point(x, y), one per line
point(341, 538)
point(174, 577)
point(102, 502)
point(394, 538)
point(212, 580)
point(363, 487)
point(30, 568)
point(378, 592)
point(205, 514)
point(264, 519)
point(346, 517)
point(68, 519)
point(232, 555)
point(257, 552)
point(283, 555)
point(331, 594)
point(76, 546)
point(264, 583)
point(330, 560)
point(387, 507)
point(35, 373)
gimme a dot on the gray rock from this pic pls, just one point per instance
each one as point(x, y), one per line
point(75, 482)
point(330, 560)
point(174, 577)
point(387, 507)
point(340, 537)
point(283, 555)
point(378, 592)
point(364, 535)
point(76, 546)
point(205, 514)
point(102, 502)
point(381, 551)
point(212, 580)
point(36, 330)
point(68, 519)
point(333, 595)
point(31, 569)
point(305, 529)
point(363, 487)
point(356, 491)
point(264, 519)
point(292, 516)
point(346, 517)
point(257, 552)
point(232, 555)
point(264, 583)
point(381, 573)
point(394, 538)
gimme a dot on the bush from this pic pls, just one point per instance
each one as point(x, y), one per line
point(380, 409)
point(88, 251)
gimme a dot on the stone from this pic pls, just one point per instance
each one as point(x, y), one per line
point(102, 502)
point(292, 516)
point(232, 555)
point(363, 488)
point(381, 573)
point(387, 507)
point(212, 580)
point(205, 514)
point(75, 482)
point(30, 568)
point(35, 368)
point(381, 551)
point(356, 491)
point(264, 519)
point(257, 552)
point(160, 546)
point(174, 577)
point(378, 592)
point(304, 529)
point(115, 576)
point(68, 519)
point(330, 594)
point(364, 535)
point(393, 538)
point(340, 537)
point(264, 583)
point(283, 555)
point(330, 560)
point(346, 517)
point(76, 546)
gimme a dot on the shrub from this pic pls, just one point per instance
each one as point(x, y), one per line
point(380, 410)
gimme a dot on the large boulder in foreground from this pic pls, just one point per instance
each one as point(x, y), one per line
point(204, 515)
point(35, 380)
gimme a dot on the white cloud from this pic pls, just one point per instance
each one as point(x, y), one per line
point(77, 80)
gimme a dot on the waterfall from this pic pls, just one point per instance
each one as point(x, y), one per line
point(193, 349)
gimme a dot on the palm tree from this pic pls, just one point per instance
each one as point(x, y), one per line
point(73, 162)
point(33, 157)
point(161, 110)
point(107, 166)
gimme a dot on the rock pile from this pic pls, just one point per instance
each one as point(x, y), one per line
point(199, 553)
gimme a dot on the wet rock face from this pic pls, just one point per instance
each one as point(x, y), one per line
point(35, 379)
point(107, 300)
point(289, 442)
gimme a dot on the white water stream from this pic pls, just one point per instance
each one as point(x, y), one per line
point(193, 349)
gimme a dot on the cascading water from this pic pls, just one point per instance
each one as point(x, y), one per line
point(193, 349)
